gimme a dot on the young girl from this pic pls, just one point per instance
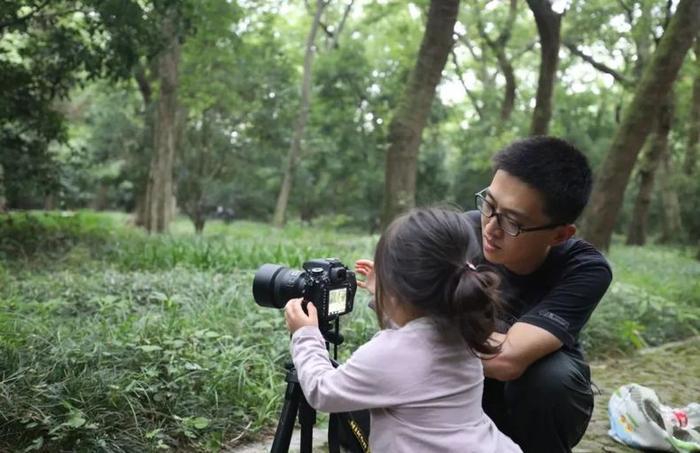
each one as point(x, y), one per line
point(421, 375)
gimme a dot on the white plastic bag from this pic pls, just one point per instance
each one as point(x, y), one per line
point(639, 420)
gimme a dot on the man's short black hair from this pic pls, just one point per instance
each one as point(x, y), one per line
point(556, 168)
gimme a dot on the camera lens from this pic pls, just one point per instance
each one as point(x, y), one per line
point(274, 285)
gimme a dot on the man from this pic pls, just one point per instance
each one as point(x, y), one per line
point(538, 389)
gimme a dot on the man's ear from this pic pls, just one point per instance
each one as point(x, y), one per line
point(563, 233)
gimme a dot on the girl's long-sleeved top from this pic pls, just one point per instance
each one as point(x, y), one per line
point(424, 393)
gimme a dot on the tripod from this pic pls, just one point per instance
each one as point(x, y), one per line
point(295, 404)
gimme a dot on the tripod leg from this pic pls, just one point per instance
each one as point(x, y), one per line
point(307, 419)
point(285, 426)
point(333, 434)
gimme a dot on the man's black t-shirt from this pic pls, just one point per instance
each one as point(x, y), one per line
point(561, 294)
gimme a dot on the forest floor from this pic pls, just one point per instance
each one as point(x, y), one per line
point(673, 370)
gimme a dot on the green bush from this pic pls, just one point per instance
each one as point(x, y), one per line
point(630, 318)
point(28, 236)
point(54, 238)
point(654, 298)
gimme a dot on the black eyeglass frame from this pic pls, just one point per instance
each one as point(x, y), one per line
point(521, 229)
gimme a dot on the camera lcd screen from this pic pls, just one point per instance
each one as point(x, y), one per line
point(336, 301)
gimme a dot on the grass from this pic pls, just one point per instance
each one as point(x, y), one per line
point(666, 272)
point(137, 357)
point(113, 340)
point(654, 298)
point(67, 240)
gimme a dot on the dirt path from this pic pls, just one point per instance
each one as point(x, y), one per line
point(672, 370)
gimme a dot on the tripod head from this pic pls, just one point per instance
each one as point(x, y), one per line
point(331, 333)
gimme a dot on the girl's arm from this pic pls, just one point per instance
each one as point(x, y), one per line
point(367, 380)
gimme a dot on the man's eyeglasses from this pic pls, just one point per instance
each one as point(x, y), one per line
point(508, 225)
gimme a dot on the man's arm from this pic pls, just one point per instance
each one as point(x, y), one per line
point(520, 347)
point(556, 319)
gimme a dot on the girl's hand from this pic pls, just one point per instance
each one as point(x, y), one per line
point(366, 269)
point(295, 316)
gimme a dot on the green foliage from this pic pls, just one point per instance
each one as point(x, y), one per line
point(132, 343)
point(661, 271)
point(118, 341)
point(46, 49)
point(135, 361)
point(235, 85)
point(77, 132)
point(629, 318)
point(654, 298)
point(104, 158)
point(65, 237)
point(25, 237)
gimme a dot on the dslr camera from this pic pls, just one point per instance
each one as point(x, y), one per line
point(326, 282)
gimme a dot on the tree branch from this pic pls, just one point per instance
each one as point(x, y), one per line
point(621, 79)
point(334, 42)
point(143, 83)
point(525, 50)
point(466, 42)
point(19, 20)
point(628, 10)
point(325, 29)
point(498, 47)
point(471, 96)
point(504, 37)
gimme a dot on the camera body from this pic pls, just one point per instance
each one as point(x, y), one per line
point(330, 286)
point(326, 282)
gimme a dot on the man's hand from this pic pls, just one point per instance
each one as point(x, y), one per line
point(295, 316)
point(366, 269)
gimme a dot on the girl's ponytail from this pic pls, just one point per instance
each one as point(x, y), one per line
point(474, 306)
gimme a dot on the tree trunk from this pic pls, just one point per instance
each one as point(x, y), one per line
point(100, 202)
point(50, 202)
point(159, 194)
point(657, 80)
point(498, 46)
point(141, 184)
point(672, 226)
point(194, 200)
point(693, 149)
point(144, 85)
point(637, 228)
point(657, 150)
point(3, 199)
point(295, 148)
point(549, 29)
point(642, 41)
point(412, 113)
point(140, 209)
point(509, 97)
point(199, 222)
